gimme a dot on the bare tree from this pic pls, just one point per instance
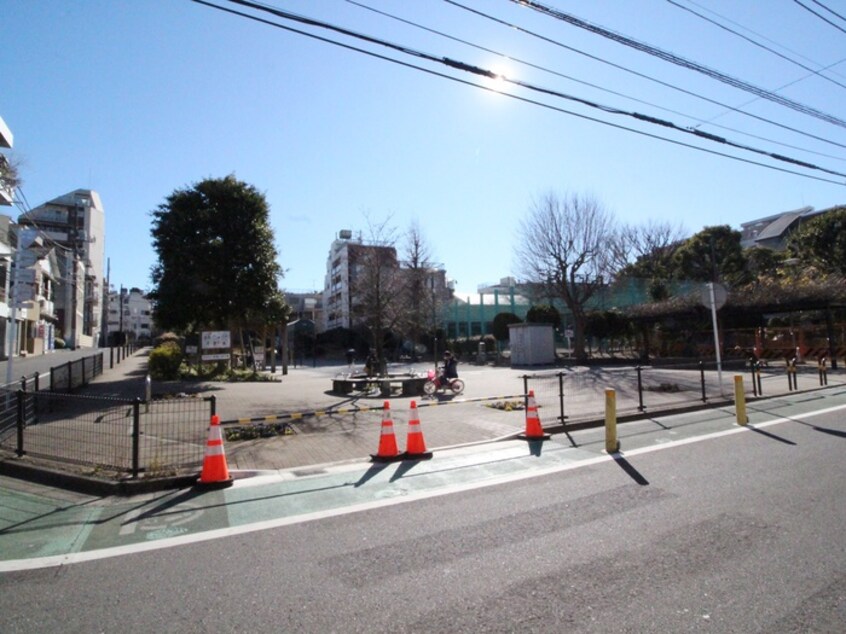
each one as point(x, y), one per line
point(648, 248)
point(564, 244)
point(378, 285)
point(10, 173)
point(420, 295)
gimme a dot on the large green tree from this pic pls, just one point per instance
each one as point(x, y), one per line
point(216, 258)
point(712, 255)
point(821, 242)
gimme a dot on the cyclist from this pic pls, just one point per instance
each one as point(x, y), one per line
point(450, 370)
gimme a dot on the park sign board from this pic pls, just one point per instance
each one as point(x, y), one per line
point(216, 357)
point(213, 343)
point(216, 340)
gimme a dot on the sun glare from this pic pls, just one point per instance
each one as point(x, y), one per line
point(499, 81)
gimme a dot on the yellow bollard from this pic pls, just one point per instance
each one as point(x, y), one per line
point(740, 400)
point(612, 445)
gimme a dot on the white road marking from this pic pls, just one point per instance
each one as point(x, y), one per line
point(170, 542)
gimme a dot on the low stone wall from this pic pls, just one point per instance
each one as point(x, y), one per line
point(406, 385)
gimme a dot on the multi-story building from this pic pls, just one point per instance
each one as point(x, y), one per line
point(305, 304)
point(6, 141)
point(130, 317)
point(35, 277)
point(75, 224)
point(344, 267)
point(773, 231)
point(29, 274)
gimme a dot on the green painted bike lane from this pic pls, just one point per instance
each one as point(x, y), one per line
point(38, 530)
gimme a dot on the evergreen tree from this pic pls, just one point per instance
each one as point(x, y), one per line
point(216, 258)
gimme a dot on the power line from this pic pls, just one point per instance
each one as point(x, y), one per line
point(476, 70)
point(516, 27)
point(682, 61)
point(506, 94)
point(779, 89)
point(821, 17)
point(764, 37)
point(758, 44)
point(820, 4)
point(585, 83)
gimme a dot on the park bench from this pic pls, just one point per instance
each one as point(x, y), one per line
point(385, 386)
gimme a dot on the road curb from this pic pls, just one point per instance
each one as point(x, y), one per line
point(21, 469)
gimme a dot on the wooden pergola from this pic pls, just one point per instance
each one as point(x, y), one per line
point(752, 305)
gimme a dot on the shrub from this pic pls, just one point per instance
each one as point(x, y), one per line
point(222, 372)
point(499, 327)
point(59, 344)
point(164, 361)
point(544, 314)
point(167, 337)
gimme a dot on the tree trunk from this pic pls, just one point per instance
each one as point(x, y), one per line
point(579, 325)
point(243, 349)
point(284, 348)
point(273, 350)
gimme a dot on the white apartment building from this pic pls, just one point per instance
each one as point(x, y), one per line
point(75, 224)
point(36, 276)
point(130, 312)
point(342, 266)
point(6, 142)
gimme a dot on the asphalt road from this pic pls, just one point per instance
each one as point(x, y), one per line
point(697, 526)
point(26, 366)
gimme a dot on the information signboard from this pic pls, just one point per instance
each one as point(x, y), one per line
point(216, 357)
point(216, 340)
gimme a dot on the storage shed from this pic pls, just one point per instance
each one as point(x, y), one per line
point(531, 344)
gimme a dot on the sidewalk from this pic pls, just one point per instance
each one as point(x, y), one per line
point(318, 440)
point(47, 527)
point(345, 437)
point(326, 439)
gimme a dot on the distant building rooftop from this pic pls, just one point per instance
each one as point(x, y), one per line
point(772, 231)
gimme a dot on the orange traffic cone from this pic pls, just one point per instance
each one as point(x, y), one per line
point(534, 430)
point(415, 446)
point(388, 451)
point(215, 472)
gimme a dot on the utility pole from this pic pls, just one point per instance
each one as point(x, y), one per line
point(434, 327)
point(73, 213)
point(120, 303)
point(104, 321)
point(13, 320)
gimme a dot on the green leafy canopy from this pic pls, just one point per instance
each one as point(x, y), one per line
point(216, 257)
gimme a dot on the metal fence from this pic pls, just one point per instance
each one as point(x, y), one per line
point(64, 377)
point(70, 376)
point(577, 395)
point(154, 438)
point(75, 374)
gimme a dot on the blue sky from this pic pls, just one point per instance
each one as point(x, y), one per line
point(136, 98)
